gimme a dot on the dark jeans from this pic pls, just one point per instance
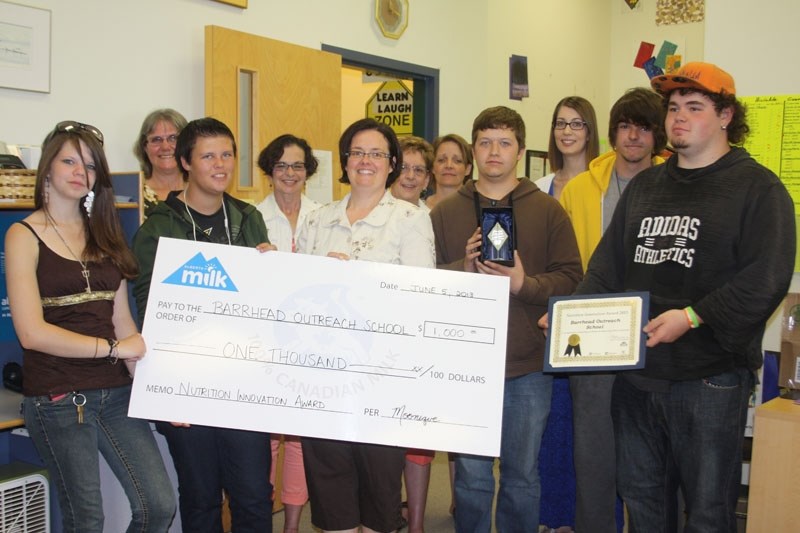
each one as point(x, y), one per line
point(209, 459)
point(70, 451)
point(594, 453)
point(690, 436)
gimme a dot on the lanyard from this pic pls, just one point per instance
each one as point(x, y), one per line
point(476, 198)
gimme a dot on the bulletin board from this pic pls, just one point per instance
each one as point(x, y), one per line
point(774, 141)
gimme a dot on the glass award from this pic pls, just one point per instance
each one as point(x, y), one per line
point(497, 234)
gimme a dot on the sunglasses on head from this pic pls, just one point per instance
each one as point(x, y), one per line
point(68, 126)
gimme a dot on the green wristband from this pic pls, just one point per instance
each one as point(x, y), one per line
point(694, 322)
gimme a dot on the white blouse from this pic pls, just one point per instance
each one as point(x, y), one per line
point(395, 232)
point(545, 182)
point(279, 229)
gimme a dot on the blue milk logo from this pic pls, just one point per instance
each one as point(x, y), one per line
point(197, 272)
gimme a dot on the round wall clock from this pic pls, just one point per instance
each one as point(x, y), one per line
point(392, 17)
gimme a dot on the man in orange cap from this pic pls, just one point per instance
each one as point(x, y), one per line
point(711, 235)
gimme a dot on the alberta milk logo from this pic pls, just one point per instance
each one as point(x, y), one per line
point(201, 273)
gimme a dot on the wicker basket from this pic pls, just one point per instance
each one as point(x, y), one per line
point(17, 184)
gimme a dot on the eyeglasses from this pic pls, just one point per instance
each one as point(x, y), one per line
point(281, 167)
point(69, 126)
point(626, 126)
point(158, 140)
point(375, 156)
point(419, 172)
point(574, 125)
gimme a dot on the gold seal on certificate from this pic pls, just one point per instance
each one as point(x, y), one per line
point(573, 345)
point(596, 333)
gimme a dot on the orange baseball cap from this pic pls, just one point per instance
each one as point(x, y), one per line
point(696, 75)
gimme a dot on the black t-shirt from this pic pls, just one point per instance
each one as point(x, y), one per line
point(213, 226)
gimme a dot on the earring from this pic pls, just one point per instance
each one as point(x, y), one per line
point(47, 190)
point(87, 203)
point(724, 128)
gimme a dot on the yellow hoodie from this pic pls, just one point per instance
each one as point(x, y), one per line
point(582, 198)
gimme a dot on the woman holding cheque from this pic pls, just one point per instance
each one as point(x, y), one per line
point(66, 269)
point(209, 459)
point(358, 484)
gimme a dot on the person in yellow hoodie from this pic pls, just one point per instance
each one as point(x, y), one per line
point(636, 134)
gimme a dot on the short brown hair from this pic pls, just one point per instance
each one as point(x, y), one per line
point(273, 152)
point(395, 153)
point(413, 143)
point(500, 117)
point(201, 127)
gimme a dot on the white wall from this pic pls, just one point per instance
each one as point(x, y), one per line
point(114, 61)
point(630, 27)
point(567, 45)
point(756, 43)
point(761, 63)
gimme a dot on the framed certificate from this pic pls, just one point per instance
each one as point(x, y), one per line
point(536, 165)
point(597, 333)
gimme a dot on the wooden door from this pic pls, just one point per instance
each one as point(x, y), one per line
point(292, 89)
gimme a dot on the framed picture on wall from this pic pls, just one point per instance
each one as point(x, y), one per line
point(536, 164)
point(24, 47)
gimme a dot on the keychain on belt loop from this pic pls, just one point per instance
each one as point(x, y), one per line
point(79, 400)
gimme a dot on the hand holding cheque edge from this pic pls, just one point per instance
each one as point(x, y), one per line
point(472, 263)
point(266, 247)
point(131, 348)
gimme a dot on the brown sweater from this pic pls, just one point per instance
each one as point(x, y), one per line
point(548, 249)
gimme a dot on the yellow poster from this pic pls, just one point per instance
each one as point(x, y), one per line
point(393, 104)
point(774, 140)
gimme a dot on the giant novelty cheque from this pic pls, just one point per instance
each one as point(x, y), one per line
point(315, 346)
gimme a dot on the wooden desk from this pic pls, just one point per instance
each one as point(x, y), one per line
point(775, 468)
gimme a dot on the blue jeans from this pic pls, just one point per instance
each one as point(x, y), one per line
point(208, 460)
point(526, 405)
point(69, 450)
point(690, 436)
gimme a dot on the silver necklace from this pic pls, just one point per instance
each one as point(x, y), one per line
point(194, 226)
point(84, 267)
point(618, 181)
